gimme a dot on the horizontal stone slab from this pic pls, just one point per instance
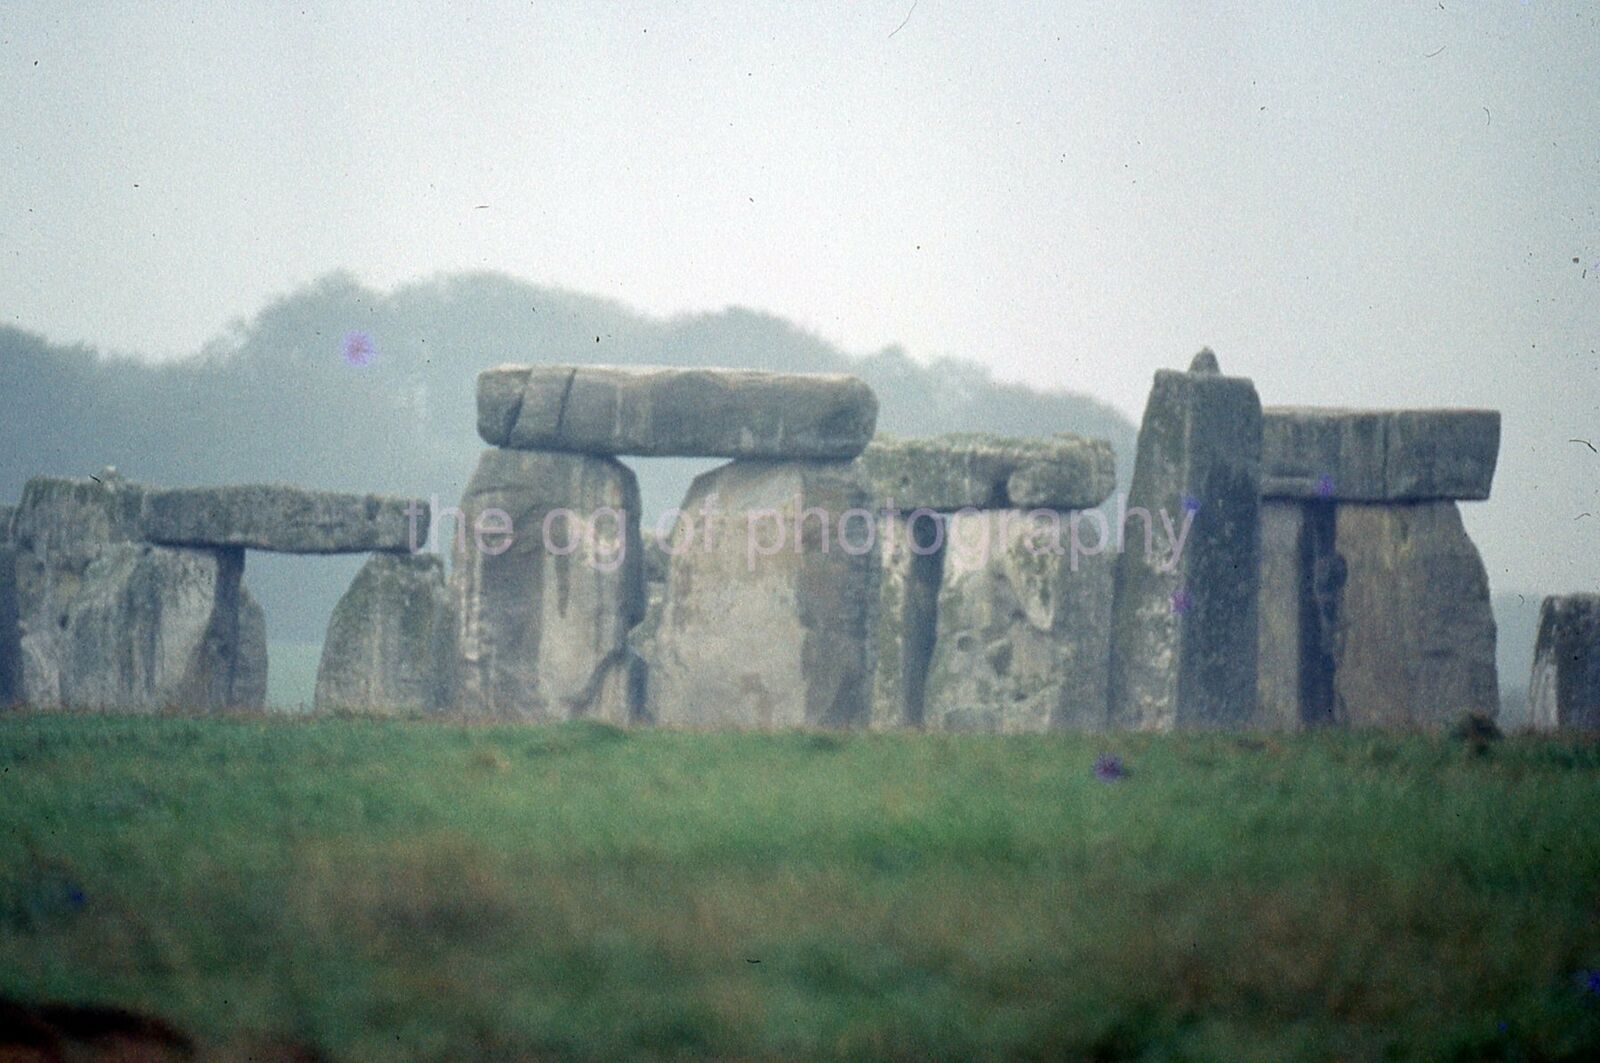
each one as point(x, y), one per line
point(665, 412)
point(1378, 455)
point(283, 519)
point(962, 471)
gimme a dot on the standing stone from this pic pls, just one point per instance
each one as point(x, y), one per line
point(771, 600)
point(1023, 640)
point(908, 596)
point(547, 583)
point(1302, 585)
point(282, 519)
point(1184, 634)
point(10, 636)
point(250, 668)
point(657, 411)
point(59, 529)
point(1416, 632)
point(154, 628)
point(390, 645)
point(1564, 691)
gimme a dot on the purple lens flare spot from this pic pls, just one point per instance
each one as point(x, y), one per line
point(358, 348)
point(1182, 601)
point(1108, 768)
point(1325, 485)
point(1191, 504)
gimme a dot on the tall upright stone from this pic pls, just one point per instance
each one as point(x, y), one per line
point(390, 644)
point(771, 598)
point(154, 628)
point(1564, 689)
point(59, 529)
point(1184, 632)
point(250, 665)
point(1023, 631)
point(547, 582)
point(1301, 587)
point(10, 636)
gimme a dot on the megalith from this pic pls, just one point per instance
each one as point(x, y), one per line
point(772, 587)
point(911, 551)
point(1023, 628)
point(10, 636)
point(658, 411)
point(390, 642)
point(153, 628)
point(1374, 604)
point(1564, 689)
point(1184, 630)
point(546, 582)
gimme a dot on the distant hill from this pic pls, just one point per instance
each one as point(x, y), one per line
point(275, 399)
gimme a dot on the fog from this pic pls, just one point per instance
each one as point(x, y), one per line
point(1354, 204)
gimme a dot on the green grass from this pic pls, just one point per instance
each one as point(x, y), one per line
point(411, 890)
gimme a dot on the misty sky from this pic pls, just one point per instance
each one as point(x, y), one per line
point(1354, 204)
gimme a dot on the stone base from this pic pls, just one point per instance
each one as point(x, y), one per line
point(390, 643)
point(542, 617)
point(762, 628)
point(1023, 641)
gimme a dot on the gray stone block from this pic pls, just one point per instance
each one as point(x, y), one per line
point(1184, 634)
point(391, 641)
point(1416, 634)
point(10, 634)
point(153, 628)
point(763, 627)
point(1302, 580)
point(547, 582)
point(1023, 641)
point(282, 519)
point(1378, 455)
point(60, 516)
point(961, 471)
point(657, 411)
point(1564, 690)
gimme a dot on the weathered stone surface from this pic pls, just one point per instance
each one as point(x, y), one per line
point(390, 643)
point(547, 582)
point(61, 526)
point(154, 628)
point(7, 515)
point(1564, 690)
point(10, 635)
point(910, 553)
point(659, 411)
point(1184, 635)
point(1302, 580)
point(1378, 455)
point(1416, 636)
point(61, 516)
point(1023, 642)
point(654, 558)
point(755, 632)
point(962, 471)
point(283, 519)
point(250, 664)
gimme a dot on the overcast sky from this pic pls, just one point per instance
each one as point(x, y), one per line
point(1362, 204)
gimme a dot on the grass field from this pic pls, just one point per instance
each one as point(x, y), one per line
point(385, 890)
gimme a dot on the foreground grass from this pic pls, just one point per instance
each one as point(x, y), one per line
point(384, 889)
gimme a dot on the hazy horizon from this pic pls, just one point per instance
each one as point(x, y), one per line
point(1370, 205)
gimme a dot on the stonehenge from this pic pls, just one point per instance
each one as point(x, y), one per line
point(985, 621)
point(546, 583)
point(1183, 629)
point(1374, 603)
point(1564, 691)
point(115, 595)
point(1268, 568)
